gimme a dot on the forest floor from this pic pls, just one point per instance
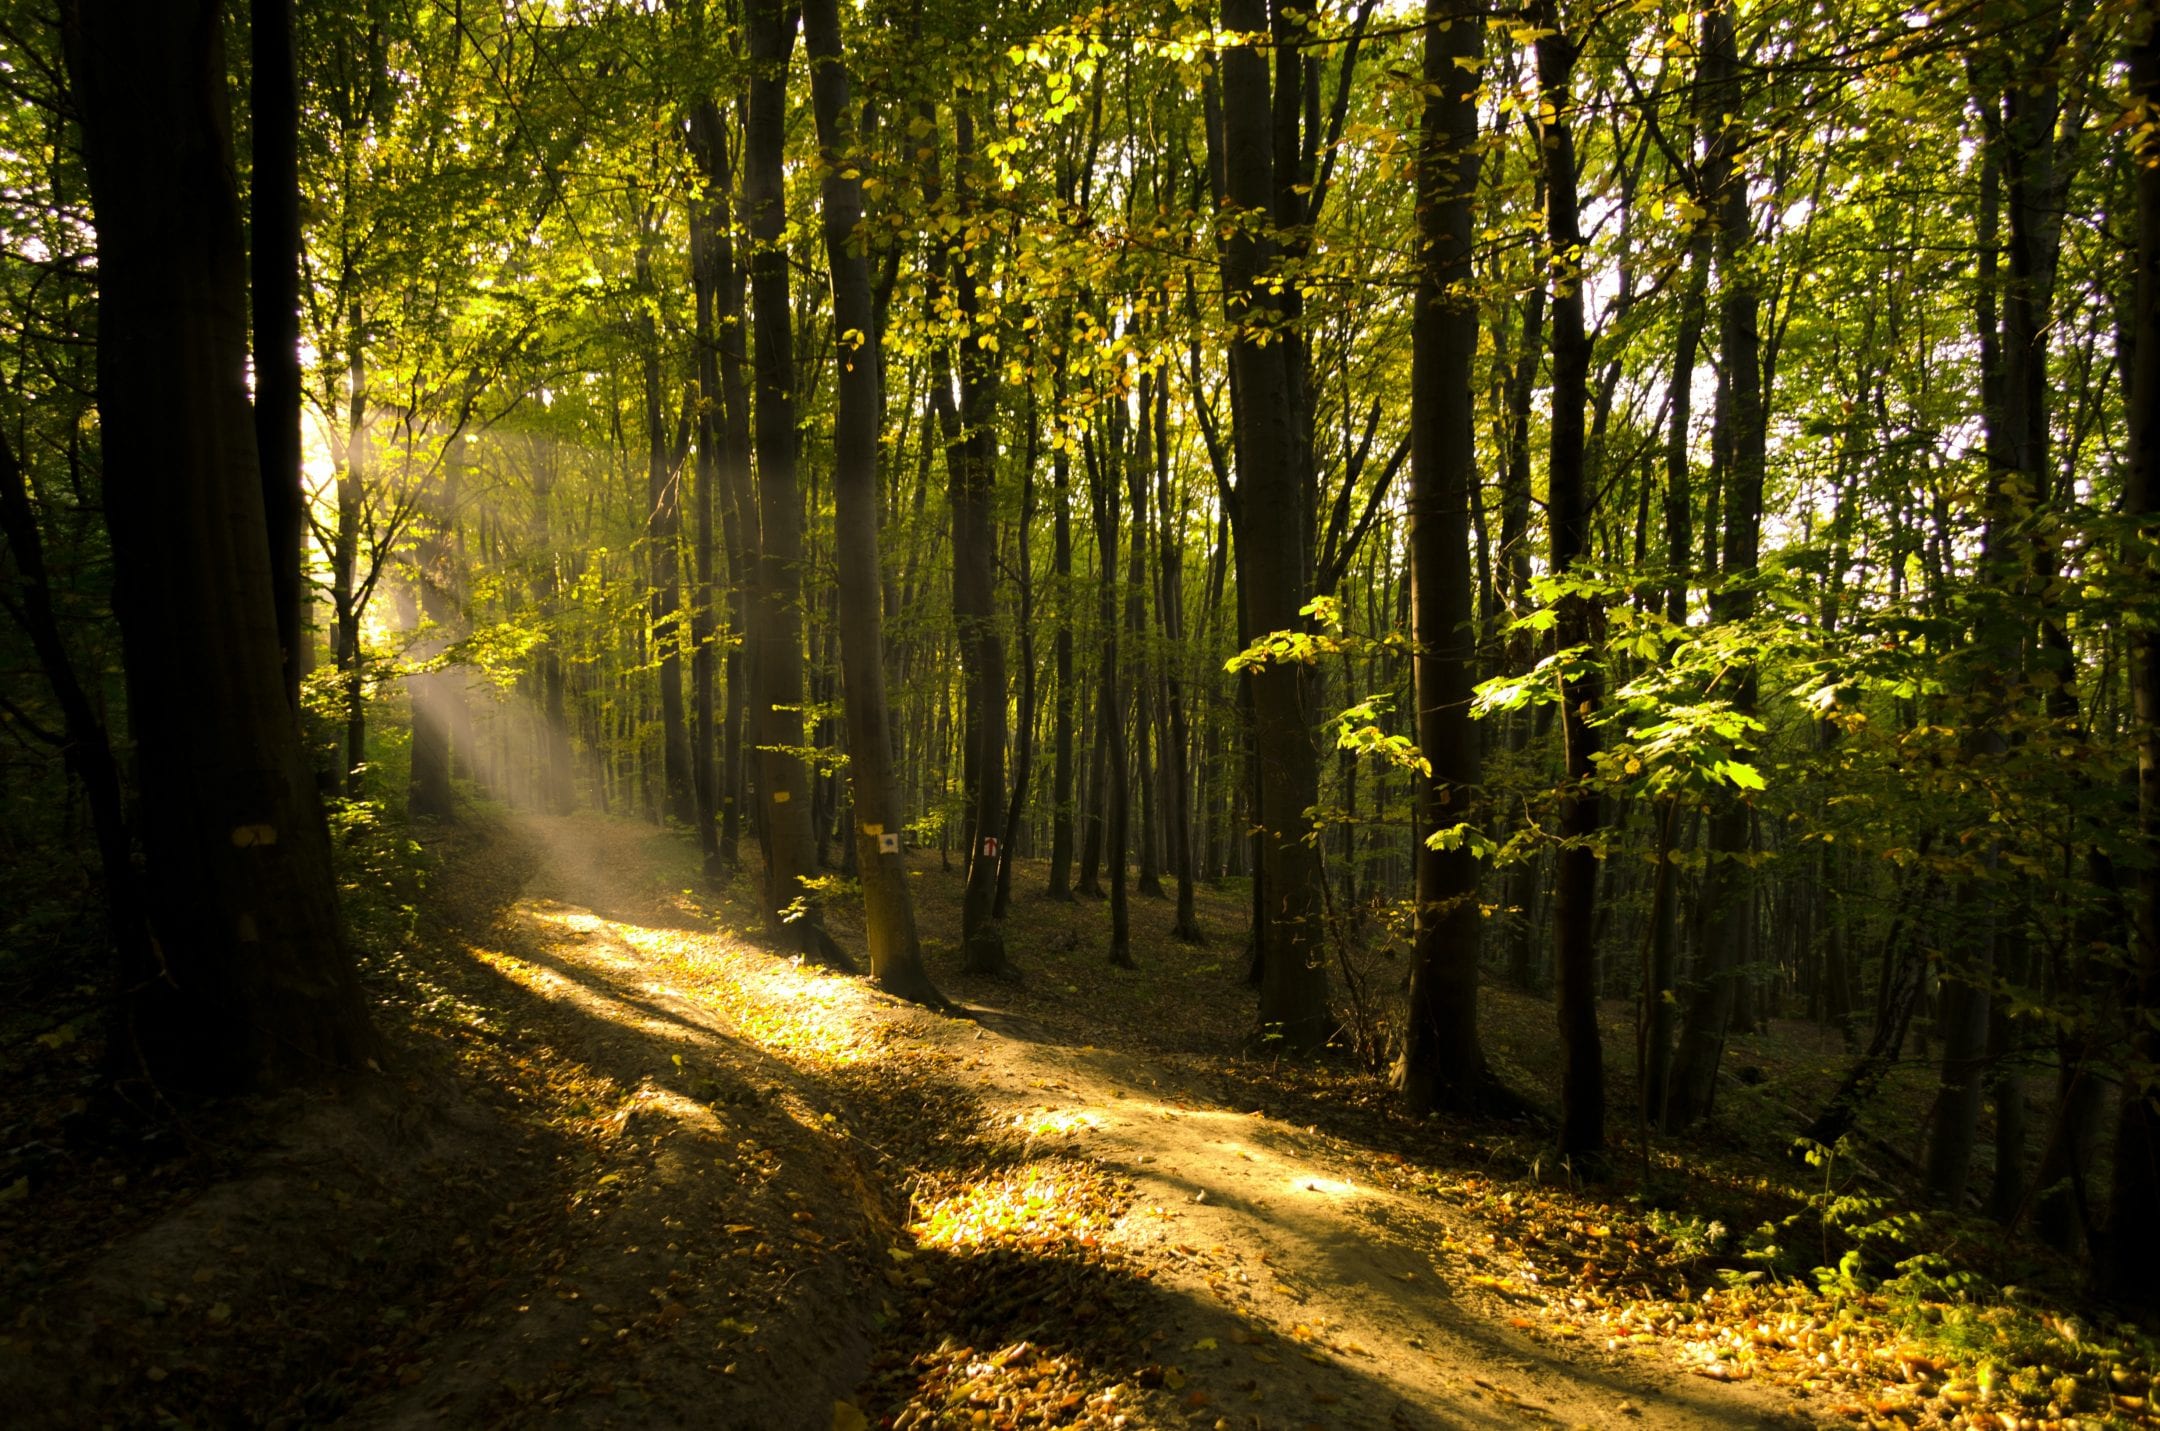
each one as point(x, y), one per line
point(627, 1167)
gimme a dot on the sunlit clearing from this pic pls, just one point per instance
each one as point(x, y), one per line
point(1027, 1206)
point(799, 1011)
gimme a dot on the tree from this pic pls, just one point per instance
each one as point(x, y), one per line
point(776, 707)
point(1273, 559)
point(888, 909)
point(1441, 1063)
point(274, 283)
point(1728, 914)
point(2134, 1267)
point(1568, 503)
point(971, 467)
point(251, 981)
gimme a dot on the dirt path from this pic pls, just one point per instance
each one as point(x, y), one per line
point(622, 1167)
point(826, 1196)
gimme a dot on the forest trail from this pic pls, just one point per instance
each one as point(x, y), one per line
point(821, 1195)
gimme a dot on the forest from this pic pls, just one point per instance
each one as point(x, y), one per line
point(933, 713)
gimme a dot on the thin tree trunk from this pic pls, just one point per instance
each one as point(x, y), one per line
point(1171, 607)
point(345, 595)
point(1024, 746)
point(1061, 576)
point(1111, 734)
point(274, 273)
point(663, 542)
point(707, 220)
point(1139, 467)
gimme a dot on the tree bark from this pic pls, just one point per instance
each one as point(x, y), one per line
point(888, 910)
point(345, 596)
point(274, 278)
point(708, 217)
point(1110, 734)
point(1441, 1064)
point(776, 703)
point(1171, 608)
point(663, 544)
point(1569, 502)
point(971, 458)
point(1061, 577)
point(1727, 894)
point(1273, 554)
point(726, 392)
point(1024, 744)
point(2133, 1266)
point(250, 981)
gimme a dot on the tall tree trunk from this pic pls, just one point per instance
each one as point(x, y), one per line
point(707, 217)
point(274, 274)
point(1110, 734)
point(888, 910)
point(728, 398)
point(250, 981)
point(776, 704)
point(1091, 812)
point(663, 545)
point(971, 462)
point(2019, 154)
point(1061, 576)
point(1442, 1064)
point(1024, 745)
point(345, 595)
point(1520, 883)
point(1139, 467)
point(1661, 986)
point(1171, 607)
point(1273, 554)
point(1569, 502)
point(2134, 1233)
point(1728, 921)
point(554, 778)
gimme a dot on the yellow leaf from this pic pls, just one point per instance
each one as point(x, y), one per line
point(846, 1418)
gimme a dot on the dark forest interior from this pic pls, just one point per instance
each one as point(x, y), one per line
point(777, 714)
